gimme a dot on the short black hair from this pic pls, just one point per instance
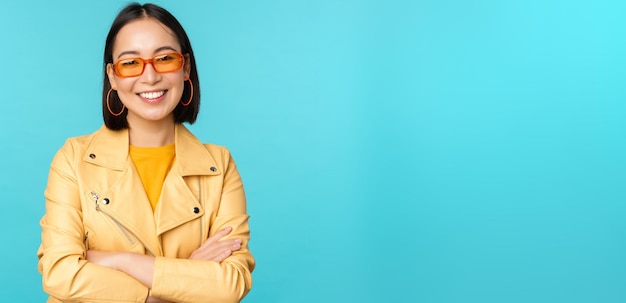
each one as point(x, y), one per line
point(135, 11)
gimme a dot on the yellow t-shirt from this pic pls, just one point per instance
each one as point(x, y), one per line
point(153, 164)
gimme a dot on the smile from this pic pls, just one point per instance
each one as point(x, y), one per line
point(152, 95)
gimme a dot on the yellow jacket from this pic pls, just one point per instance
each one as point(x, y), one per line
point(95, 200)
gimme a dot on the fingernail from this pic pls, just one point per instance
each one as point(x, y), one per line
point(236, 246)
point(237, 241)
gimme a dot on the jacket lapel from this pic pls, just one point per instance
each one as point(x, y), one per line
point(127, 202)
point(178, 204)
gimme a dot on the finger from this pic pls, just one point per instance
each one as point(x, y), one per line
point(212, 255)
point(222, 256)
point(232, 244)
point(216, 237)
point(220, 234)
point(216, 248)
point(214, 251)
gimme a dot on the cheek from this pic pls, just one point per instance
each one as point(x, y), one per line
point(178, 85)
point(125, 90)
point(125, 85)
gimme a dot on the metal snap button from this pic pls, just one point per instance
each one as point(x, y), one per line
point(106, 201)
point(92, 156)
point(196, 210)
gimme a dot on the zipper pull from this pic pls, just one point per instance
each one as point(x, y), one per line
point(95, 197)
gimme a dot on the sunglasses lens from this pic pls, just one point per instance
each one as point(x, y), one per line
point(167, 63)
point(129, 67)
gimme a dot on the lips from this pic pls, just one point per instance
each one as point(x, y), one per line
point(152, 95)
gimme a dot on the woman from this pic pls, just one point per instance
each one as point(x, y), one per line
point(140, 210)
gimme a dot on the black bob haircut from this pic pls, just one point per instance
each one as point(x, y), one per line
point(136, 11)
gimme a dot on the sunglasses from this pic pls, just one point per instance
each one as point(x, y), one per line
point(133, 67)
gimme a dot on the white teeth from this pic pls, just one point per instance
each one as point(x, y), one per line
point(152, 95)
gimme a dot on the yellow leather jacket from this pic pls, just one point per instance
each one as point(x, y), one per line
point(95, 200)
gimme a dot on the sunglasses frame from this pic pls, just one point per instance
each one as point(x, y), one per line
point(148, 61)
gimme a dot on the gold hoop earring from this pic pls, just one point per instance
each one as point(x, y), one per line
point(190, 95)
point(109, 106)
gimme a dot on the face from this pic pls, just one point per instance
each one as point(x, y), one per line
point(151, 96)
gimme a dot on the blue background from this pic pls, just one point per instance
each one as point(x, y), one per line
point(416, 151)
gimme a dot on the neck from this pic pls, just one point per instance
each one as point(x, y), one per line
point(152, 134)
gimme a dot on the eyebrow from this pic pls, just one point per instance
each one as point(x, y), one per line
point(160, 49)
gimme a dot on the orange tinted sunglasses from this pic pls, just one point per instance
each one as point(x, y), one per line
point(133, 67)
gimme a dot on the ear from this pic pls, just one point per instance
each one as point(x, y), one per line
point(111, 75)
point(187, 67)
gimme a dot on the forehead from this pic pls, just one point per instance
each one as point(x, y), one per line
point(144, 37)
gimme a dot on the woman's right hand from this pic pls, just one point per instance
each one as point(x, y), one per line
point(215, 249)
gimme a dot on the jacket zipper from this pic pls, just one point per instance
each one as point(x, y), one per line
point(86, 239)
point(128, 237)
point(120, 225)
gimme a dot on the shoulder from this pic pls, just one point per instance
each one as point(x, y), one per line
point(192, 143)
point(219, 153)
point(81, 141)
point(72, 150)
point(216, 149)
point(78, 144)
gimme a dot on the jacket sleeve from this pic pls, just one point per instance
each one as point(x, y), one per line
point(67, 275)
point(195, 280)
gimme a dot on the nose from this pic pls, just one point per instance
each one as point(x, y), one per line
point(150, 75)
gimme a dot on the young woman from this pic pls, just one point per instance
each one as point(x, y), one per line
point(141, 210)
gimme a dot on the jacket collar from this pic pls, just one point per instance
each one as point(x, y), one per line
point(109, 148)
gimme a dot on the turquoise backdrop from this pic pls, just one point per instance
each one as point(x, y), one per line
point(392, 151)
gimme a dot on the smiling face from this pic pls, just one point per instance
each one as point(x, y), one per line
point(150, 97)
